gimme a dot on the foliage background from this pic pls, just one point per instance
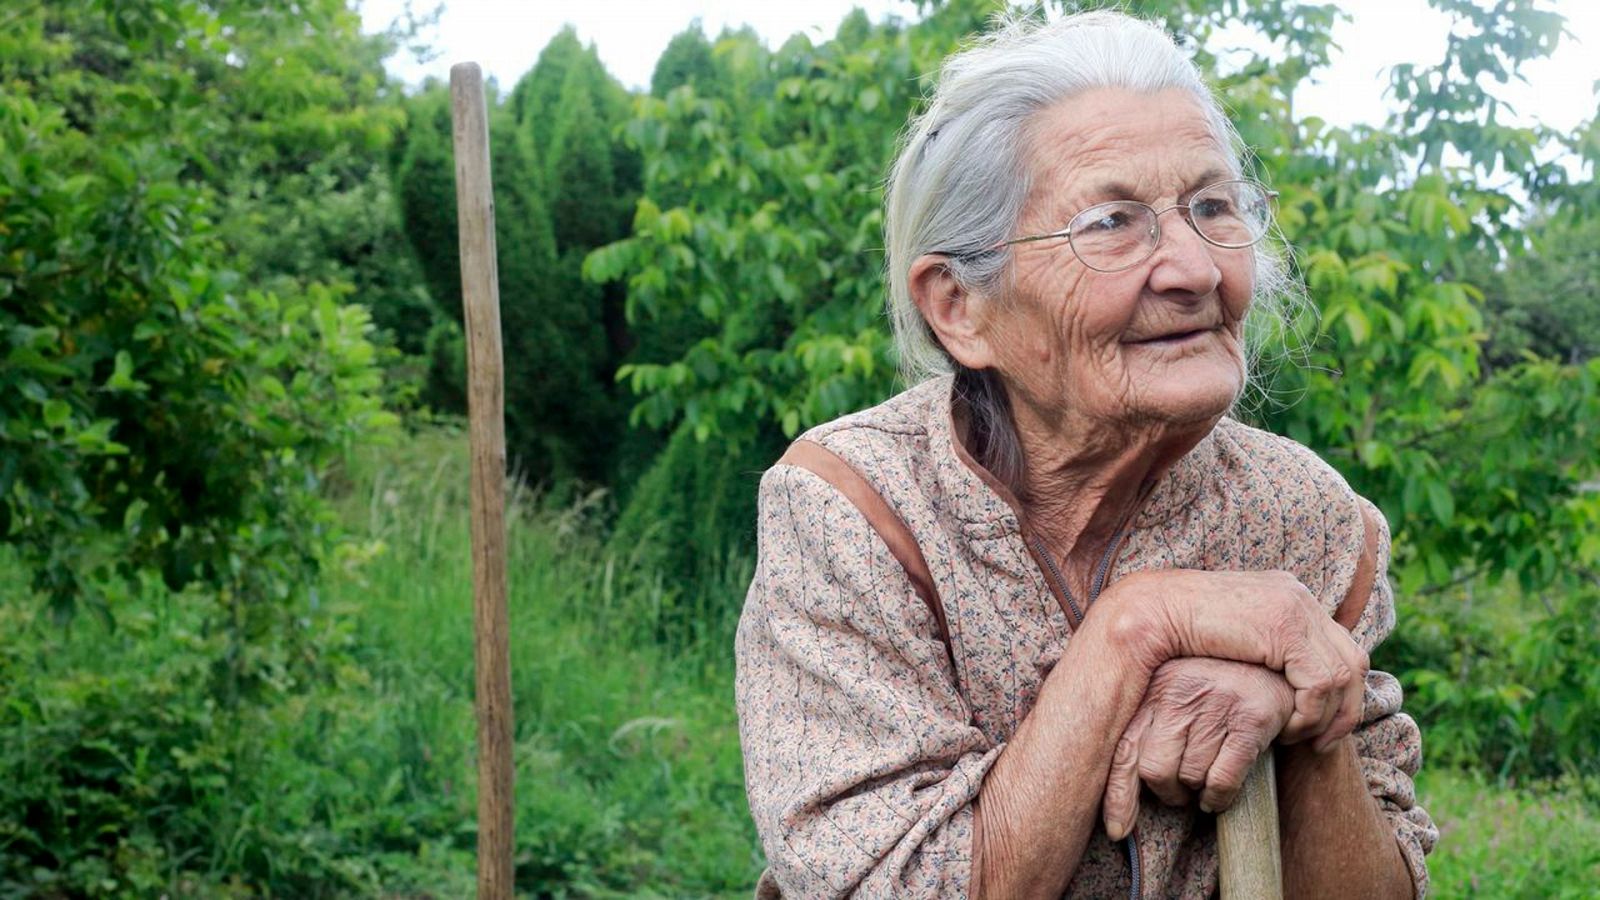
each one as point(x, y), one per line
point(234, 655)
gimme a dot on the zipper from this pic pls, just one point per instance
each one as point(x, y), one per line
point(1096, 585)
point(1135, 863)
point(1099, 582)
point(1055, 577)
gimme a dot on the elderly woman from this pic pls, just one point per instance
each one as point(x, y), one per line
point(1022, 629)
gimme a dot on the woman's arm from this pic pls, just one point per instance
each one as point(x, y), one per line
point(1350, 820)
point(861, 763)
point(1336, 840)
point(1041, 800)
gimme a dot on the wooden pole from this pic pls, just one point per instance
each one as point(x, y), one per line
point(1247, 838)
point(480, 295)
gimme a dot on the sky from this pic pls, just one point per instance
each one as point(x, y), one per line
point(505, 37)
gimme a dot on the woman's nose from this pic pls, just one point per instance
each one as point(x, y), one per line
point(1184, 261)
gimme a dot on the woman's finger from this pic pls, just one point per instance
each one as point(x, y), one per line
point(1333, 693)
point(1353, 699)
point(1205, 740)
point(1310, 679)
point(1226, 777)
point(1160, 754)
point(1327, 670)
point(1331, 704)
point(1121, 804)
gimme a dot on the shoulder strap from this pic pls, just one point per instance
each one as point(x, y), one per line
point(1355, 600)
point(827, 465)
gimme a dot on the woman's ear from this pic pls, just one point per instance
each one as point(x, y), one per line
point(954, 313)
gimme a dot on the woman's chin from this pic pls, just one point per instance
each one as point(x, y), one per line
point(1194, 400)
point(1187, 390)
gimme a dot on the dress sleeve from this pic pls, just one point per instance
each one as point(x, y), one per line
point(1387, 740)
point(861, 765)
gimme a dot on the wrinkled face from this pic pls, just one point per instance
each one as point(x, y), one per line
point(1158, 343)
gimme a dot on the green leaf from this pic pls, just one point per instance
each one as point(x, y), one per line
point(1356, 323)
point(122, 375)
point(56, 413)
point(1441, 502)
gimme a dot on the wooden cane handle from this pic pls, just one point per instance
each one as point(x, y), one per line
point(1247, 838)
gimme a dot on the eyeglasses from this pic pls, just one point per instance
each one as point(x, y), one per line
point(1114, 236)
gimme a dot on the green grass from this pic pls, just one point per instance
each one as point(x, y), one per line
point(1503, 842)
point(362, 783)
point(629, 778)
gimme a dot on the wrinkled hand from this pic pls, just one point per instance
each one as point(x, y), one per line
point(1265, 618)
point(1202, 724)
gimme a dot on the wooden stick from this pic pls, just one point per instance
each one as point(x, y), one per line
point(1247, 838)
point(480, 295)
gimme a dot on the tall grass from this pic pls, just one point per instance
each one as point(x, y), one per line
point(628, 772)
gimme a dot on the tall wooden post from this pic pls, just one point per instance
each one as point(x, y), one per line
point(480, 294)
point(1247, 838)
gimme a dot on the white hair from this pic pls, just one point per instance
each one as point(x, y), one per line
point(962, 177)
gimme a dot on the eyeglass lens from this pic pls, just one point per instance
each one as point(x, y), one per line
point(1123, 233)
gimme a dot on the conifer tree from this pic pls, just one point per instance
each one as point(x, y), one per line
point(687, 60)
point(536, 97)
point(561, 417)
point(582, 190)
point(425, 188)
point(552, 338)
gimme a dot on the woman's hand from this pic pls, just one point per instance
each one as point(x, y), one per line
point(1266, 618)
point(1201, 725)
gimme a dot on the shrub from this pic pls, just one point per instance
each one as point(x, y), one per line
point(685, 525)
point(157, 415)
point(122, 775)
point(1502, 683)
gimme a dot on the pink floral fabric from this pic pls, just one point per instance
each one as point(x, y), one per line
point(865, 748)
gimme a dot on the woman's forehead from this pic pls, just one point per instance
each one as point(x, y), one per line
point(1115, 143)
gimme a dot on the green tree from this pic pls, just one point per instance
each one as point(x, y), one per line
point(1545, 299)
point(426, 194)
point(536, 95)
point(561, 413)
point(580, 184)
point(158, 414)
point(336, 223)
point(536, 99)
point(768, 274)
point(562, 417)
point(686, 61)
point(554, 157)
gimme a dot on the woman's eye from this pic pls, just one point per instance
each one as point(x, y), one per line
point(1211, 208)
point(1114, 220)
